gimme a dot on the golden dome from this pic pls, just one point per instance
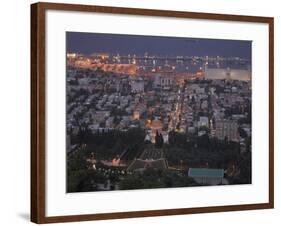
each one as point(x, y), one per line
point(156, 124)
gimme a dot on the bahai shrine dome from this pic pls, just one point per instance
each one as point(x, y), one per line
point(156, 125)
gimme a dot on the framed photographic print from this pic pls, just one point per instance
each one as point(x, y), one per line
point(140, 112)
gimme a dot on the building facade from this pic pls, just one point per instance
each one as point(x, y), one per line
point(227, 129)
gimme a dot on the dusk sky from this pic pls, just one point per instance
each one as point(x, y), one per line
point(88, 43)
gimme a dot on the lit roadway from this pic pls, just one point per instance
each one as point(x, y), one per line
point(175, 114)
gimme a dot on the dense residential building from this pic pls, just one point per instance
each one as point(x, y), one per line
point(227, 129)
point(137, 86)
point(174, 107)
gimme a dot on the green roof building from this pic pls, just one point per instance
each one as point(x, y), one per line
point(206, 176)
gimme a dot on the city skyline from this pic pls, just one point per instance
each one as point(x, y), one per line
point(88, 43)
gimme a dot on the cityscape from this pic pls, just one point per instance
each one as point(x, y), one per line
point(145, 112)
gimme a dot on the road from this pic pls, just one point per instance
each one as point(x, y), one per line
point(175, 114)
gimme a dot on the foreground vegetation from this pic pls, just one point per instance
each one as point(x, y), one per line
point(182, 152)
